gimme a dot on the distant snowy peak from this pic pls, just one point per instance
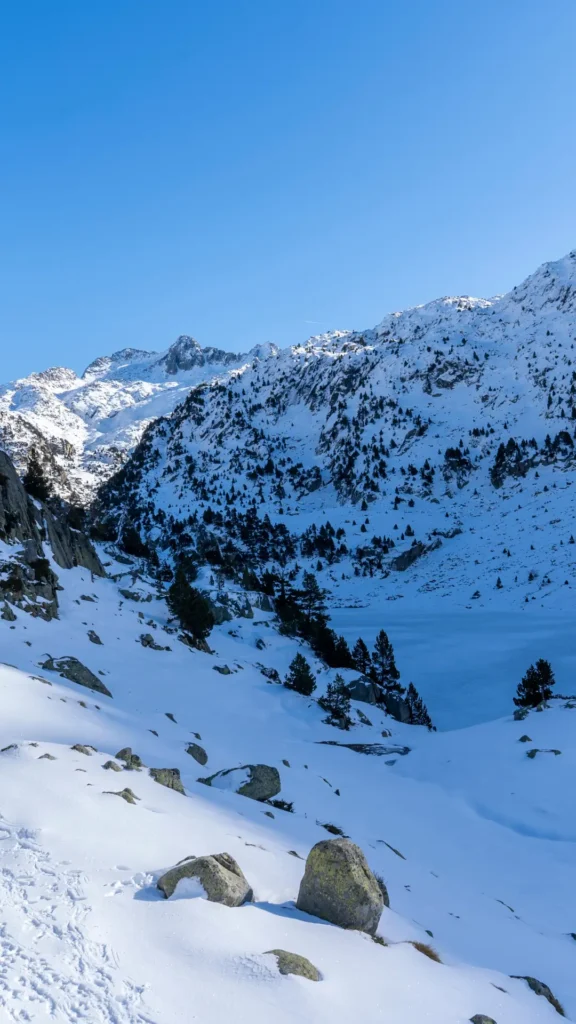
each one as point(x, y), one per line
point(551, 289)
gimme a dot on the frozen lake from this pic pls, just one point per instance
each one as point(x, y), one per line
point(467, 664)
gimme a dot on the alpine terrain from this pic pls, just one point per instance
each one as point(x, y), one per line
point(315, 605)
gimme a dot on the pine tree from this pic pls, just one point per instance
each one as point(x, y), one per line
point(300, 676)
point(418, 710)
point(384, 671)
point(34, 479)
point(361, 657)
point(190, 606)
point(336, 701)
point(312, 598)
point(536, 685)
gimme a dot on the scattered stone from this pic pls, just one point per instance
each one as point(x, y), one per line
point(220, 876)
point(541, 990)
point(126, 794)
point(11, 746)
point(7, 613)
point(271, 674)
point(147, 640)
point(363, 718)
point(285, 762)
point(338, 886)
point(86, 597)
point(525, 739)
point(292, 963)
point(134, 595)
point(76, 672)
point(224, 670)
point(256, 781)
point(293, 853)
point(112, 766)
point(169, 777)
point(153, 731)
point(376, 749)
point(46, 757)
point(197, 752)
point(132, 762)
point(170, 716)
point(82, 748)
point(93, 637)
point(480, 1018)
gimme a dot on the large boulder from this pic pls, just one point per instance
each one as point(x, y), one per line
point(256, 781)
point(197, 752)
point(219, 875)
point(293, 963)
point(72, 669)
point(338, 886)
point(169, 777)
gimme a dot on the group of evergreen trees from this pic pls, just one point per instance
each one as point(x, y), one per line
point(190, 606)
point(536, 685)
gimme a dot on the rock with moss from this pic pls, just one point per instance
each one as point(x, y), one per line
point(541, 989)
point(481, 1018)
point(132, 762)
point(256, 781)
point(169, 777)
point(197, 752)
point(293, 963)
point(339, 887)
point(125, 793)
point(73, 669)
point(219, 875)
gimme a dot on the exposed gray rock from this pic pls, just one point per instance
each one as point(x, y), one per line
point(7, 613)
point(263, 781)
point(71, 668)
point(338, 886)
point(224, 670)
point(71, 547)
point(132, 762)
point(219, 874)
point(125, 793)
point(29, 583)
point(365, 691)
point(169, 777)
point(292, 963)
point(197, 752)
point(134, 595)
point(46, 757)
point(541, 989)
point(264, 603)
point(376, 749)
point(112, 766)
point(18, 516)
point(480, 1018)
point(147, 640)
point(82, 748)
point(93, 637)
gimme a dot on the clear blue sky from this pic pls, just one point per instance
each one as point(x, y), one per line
point(234, 169)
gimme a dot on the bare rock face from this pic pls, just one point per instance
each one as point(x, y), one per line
point(256, 781)
point(18, 516)
point(71, 547)
point(293, 963)
point(169, 777)
point(338, 886)
point(197, 752)
point(220, 876)
point(72, 669)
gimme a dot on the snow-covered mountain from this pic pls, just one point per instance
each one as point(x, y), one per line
point(437, 450)
point(84, 427)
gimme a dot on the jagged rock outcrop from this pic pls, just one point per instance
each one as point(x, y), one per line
point(219, 875)
point(338, 886)
point(256, 781)
point(71, 547)
point(169, 777)
point(18, 516)
point(73, 669)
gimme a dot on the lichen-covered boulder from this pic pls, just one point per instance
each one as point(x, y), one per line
point(256, 781)
point(132, 762)
point(338, 886)
point(197, 752)
point(72, 669)
point(219, 875)
point(169, 777)
point(481, 1018)
point(292, 963)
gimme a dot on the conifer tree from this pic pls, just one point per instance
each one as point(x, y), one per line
point(336, 701)
point(536, 685)
point(300, 676)
point(361, 657)
point(312, 598)
point(384, 671)
point(418, 710)
point(34, 479)
point(190, 606)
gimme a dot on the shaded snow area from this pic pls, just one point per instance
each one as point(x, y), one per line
point(474, 840)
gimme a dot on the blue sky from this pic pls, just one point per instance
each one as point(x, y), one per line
point(252, 170)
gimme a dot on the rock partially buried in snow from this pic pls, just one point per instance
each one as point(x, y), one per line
point(480, 1018)
point(125, 793)
point(339, 887)
point(292, 963)
point(197, 752)
point(220, 876)
point(132, 762)
point(256, 781)
point(169, 777)
point(541, 989)
point(76, 672)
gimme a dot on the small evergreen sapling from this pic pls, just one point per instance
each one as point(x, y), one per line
point(336, 701)
point(384, 671)
point(300, 676)
point(190, 606)
point(361, 657)
point(34, 479)
point(418, 710)
point(536, 685)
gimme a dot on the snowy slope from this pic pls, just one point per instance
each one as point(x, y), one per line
point(85, 935)
point(440, 444)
